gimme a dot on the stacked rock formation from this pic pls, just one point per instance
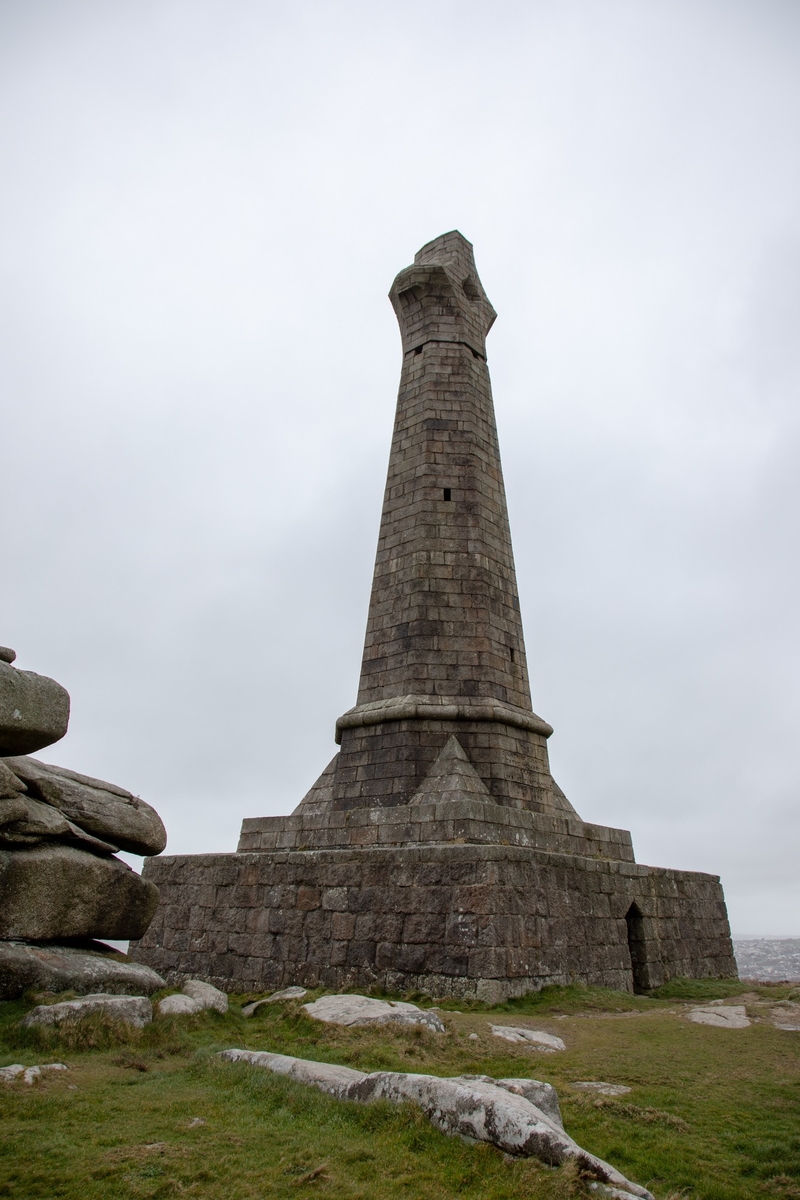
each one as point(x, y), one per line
point(61, 884)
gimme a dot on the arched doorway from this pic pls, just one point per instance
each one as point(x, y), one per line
point(637, 947)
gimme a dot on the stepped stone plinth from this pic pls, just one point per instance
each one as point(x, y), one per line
point(436, 851)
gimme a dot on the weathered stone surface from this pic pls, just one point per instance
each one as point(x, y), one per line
point(463, 817)
point(34, 1073)
point(133, 1010)
point(541, 1095)
point(456, 920)
point(7, 655)
point(49, 892)
point(290, 993)
point(786, 1015)
point(731, 1016)
point(102, 809)
point(25, 821)
point(10, 787)
point(536, 1037)
point(603, 1089)
point(9, 1074)
point(178, 1005)
point(206, 995)
point(194, 998)
point(452, 777)
point(34, 710)
point(364, 1010)
point(467, 1106)
point(53, 968)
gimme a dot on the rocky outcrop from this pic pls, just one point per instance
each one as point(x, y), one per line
point(34, 710)
point(54, 891)
point(519, 1116)
point(290, 993)
point(28, 1074)
point(25, 822)
point(365, 1010)
point(133, 1010)
point(729, 1016)
point(52, 968)
point(194, 997)
point(102, 809)
point(60, 881)
point(178, 1005)
point(547, 1042)
point(206, 995)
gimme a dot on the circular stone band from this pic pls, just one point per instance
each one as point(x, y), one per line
point(440, 708)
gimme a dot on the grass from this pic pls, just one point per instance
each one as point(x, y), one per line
point(714, 1114)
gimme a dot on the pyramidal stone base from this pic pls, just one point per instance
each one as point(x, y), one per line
point(436, 852)
point(451, 894)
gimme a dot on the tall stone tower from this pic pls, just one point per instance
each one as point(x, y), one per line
point(444, 653)
point(436, 851)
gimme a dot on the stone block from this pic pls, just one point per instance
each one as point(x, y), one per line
point(34, 711)
point(52, 892)
point(308, 898)
point(53, 968)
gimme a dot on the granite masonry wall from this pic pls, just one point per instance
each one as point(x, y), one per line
point(459, 920)
point(447, 821)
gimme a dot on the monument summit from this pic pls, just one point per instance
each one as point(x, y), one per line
point(436, 852)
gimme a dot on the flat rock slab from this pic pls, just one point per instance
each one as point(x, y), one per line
point(290, 993)
point(546, 1042)
point(133, 1010)
point(482, 1109)
point(786, 1015)
point(730, 1016)
point(51, 891)
point(34, 710)
point(51, 968)
point(603, 1089)
point(364, 1010)
point(104, 810)
point(25, 821)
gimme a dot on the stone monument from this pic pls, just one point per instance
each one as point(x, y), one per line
point(436, 852)
point(61, 884)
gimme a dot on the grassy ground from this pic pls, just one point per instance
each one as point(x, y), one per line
point(714, 1114)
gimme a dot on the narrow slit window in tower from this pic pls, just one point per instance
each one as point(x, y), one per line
point(447, 493)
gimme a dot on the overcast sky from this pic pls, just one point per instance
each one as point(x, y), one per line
point(203, 207)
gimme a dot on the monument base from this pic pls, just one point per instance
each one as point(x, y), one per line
point(482, 921)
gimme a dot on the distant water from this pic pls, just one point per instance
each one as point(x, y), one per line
point(768, 959)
